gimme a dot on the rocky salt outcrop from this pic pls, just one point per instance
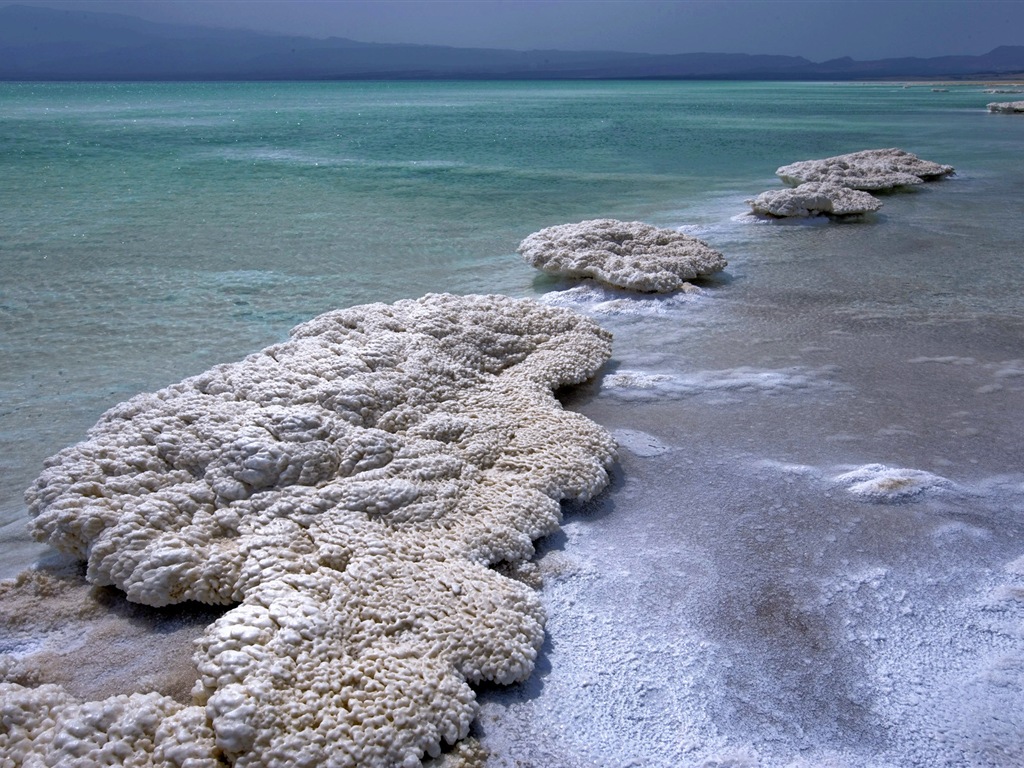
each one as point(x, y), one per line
point(1006, 107)
point(868, 170)
point(624, 254)
point(814, 199)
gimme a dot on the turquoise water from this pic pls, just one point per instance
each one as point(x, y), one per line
point(149, 231)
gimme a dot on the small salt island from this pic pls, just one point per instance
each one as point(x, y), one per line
point(1007, 107)
point(869, 170)
point(623, 254)
point(814, 199)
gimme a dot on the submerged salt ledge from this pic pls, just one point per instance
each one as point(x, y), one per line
point(350, 488)
point(880, 483)
point(641, 444)
point(1005, 375)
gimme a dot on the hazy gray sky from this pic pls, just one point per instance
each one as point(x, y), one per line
point(817, 29)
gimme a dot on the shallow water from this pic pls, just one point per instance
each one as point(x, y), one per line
point(729, 598)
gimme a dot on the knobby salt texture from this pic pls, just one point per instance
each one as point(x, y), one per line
point(623, 254)
point(349, 488)
point(869, 169)
point(814, 199)
point(1008, 107)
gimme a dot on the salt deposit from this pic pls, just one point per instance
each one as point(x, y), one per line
point(639, 443)
point(814, 199)
point(1008, 107)
point(1003, 375)
point(630, 255)
point(877, 482)
point(349, 488)
point(869, 169)
point(774, 623)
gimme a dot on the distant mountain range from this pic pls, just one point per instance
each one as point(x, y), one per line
point(47, 44)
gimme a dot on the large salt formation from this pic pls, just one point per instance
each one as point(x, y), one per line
point(869, 169)
point(349, 488)
point(623, 254)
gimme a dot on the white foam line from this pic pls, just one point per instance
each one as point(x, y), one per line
point(641, 385)
point(595, 299)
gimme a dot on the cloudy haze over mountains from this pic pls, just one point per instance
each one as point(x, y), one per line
point(75, 41)
point(816, 29)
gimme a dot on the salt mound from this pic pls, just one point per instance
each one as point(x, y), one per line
point(1008, 107)
point(814, 199)
point(877, 482)
point(870, 169)
point(630, 255)
point(350, 488)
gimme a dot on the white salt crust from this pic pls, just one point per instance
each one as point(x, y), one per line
point(930, 658)
point(349, 488)
point(641, 444)
point(869, 169)
point(814, 198)
point(883, 484)
point(1007, 107)
point(1006, 375)
point(624, 254)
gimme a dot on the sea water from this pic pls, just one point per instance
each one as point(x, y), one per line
point(811, 550)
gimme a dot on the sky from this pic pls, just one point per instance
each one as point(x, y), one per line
point(816, 29)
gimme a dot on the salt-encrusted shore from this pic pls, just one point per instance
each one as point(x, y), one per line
point(350, 490)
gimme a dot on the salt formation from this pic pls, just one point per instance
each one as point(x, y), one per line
point(814, 199)
point(630, 255)
point(870, 169)
point(349, 488)
point(1008, 107)
point(877, 482)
